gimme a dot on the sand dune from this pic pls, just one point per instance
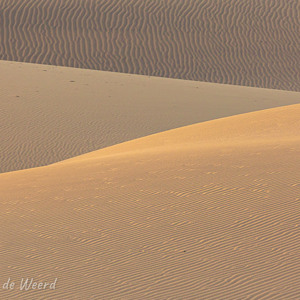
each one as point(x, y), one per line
point(194, 219)
point(242, 42)
point(129, 186)
point(48, 114)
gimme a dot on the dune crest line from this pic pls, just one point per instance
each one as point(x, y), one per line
point(68, 111)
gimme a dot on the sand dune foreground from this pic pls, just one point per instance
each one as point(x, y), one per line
point(212, 214)
point(251, 43)
point(49, 114)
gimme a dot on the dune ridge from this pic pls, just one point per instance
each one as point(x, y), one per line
point(49, 113)
point(250, 43)
point(281, 124)
point(183, 222)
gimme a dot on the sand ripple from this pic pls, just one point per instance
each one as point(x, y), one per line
point(253, 43)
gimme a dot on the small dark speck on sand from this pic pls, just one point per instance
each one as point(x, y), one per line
point(72, 81)
point(184, 250)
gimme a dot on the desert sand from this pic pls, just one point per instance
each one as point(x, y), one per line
point(241, 42)
point(207, 211)
point(48, 114)
point(149, 149)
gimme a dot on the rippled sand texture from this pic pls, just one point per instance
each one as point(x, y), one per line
point(242, 42)
point(213, 213)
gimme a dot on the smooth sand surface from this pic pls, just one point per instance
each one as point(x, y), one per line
point(48, 113)
point(211, 214)
point(242, 42)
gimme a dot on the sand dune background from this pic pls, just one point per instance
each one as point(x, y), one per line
point(241, 42)
point(212, 214)
point(48, 113)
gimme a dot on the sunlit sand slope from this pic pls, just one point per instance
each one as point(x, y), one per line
point(212, 214)
point(48, 114)
point(252, 43)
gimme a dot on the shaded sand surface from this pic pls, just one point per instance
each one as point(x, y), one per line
point(242, 42)
point(212, 214)
point(49, 113)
